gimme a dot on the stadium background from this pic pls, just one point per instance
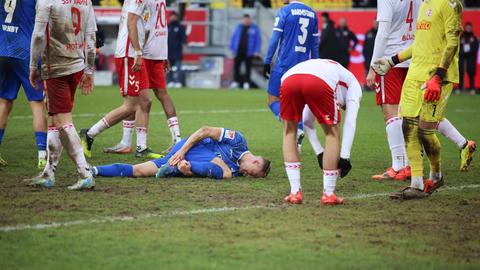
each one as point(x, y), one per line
point(209, 26)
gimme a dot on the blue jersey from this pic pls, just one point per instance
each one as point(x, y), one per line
point(295, 33)
point(17, 18)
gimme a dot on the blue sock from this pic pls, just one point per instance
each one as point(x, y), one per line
point(118, 169)
point(41, 138)
point(275, 107)
point(1, 134)
point(300, 125)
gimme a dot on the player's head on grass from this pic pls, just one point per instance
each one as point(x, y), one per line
point(254, 166)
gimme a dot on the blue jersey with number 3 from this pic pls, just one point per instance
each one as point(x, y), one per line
point(297, 25)
point(17, 18)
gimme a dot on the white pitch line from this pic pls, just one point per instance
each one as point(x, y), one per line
point(41, 226)
point(87, 115)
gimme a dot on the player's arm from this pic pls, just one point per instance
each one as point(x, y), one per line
point(132, 20)
point(315, 40)
point(354, 38)
point(382, 65)
point(202, 133)
point(453, 29)
point(38, 42)
point(216, 169)
point(273, 44)
point(86, 82)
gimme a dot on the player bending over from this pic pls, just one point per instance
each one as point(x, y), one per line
point(348, 98)
point(295, 34)
point(14, 70)
point(433, 72)
point(64, 35)
point(397, 23)
point(156, 63)
point(314, 83)
point(209, 152)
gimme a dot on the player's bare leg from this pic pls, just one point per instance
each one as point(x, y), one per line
point(331, 155)
point(467, 147)
point(170, 112)
point(311, 132)
point(5, 109)
point(141, 123)
point(274, 105)
point(396, 142)
point(40, 129)
point(129, 106)
point(291, 158)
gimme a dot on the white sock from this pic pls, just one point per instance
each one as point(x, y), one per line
point(42, 154)
point(141, 137)
point(98, 128)
point(417, 182)
point(448, 130)
point(329, 181)
point(435, 175)
point(396, 142)
point(54, 147)
point(293, 173)
point(174, 127)
point(127, 132)
point(71, 142)
point(313, 139)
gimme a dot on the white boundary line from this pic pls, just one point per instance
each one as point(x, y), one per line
point(41, 226)
point(87, 115)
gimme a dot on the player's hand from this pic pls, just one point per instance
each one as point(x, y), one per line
point(137, 63)
point(433, 89)
point(86, 84)
point(371, 78)
point(177, 157)
point(167, 67)
point(266, 71)
point(185, 168)
point(383, 65)
point(345, 166)
point(34, 77)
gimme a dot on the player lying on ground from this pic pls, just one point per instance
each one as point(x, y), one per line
point(348, 99)
point(68, 58)
point(14, 70)
point(156, 64)
point(295, 34)
point(433, 72)
point(209, 152)
point(397, 22)
point(313, 83)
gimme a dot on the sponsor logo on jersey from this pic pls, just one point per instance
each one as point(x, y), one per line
point(302, 12)
point(10, 28)
point(300, 49)
point(408, 36)
point(424, 25)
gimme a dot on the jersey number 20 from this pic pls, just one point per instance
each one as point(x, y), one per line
point(303, 27)
point(10, 9)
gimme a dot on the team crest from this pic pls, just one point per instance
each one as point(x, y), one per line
point(230, 134)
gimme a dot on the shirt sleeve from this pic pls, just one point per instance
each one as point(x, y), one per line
point(453, 27)
point(381, 40)
point(276, 36)
point(354, 95)
point(206, 169)
point(91, 23)
point(43, 11)
point(384, 11)
point(315, 39)
point(136, 7)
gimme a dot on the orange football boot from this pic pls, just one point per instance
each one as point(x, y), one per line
point(294, 198)
point(404, 174)
point(430, 185)
point(332, 199)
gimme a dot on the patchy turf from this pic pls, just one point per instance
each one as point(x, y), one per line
point(440, 232)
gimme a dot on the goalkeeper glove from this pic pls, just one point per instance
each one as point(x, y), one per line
point(434, 85)
point(266, 71)
point(345, 166)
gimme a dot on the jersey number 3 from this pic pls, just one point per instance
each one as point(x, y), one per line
point(10, 9)
point(303, 27)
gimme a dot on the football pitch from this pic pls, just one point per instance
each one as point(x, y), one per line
point(241, 223)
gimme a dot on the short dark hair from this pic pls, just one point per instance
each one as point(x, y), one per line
point(265, 167)
point(468, 23)
point(246, 15)
point(326, 15)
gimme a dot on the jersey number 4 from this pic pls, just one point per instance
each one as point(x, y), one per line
point(10, 9)
point(303, 27)
point(409, 19)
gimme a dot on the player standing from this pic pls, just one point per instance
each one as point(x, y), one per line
point(433, 72)
point(314, 83)
point(348, 99)
point(17, 19)
point(64, 36)
point(295, 34)
point(155, 56)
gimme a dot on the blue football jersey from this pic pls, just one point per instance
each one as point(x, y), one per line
point(17, 18)
point(298, 27)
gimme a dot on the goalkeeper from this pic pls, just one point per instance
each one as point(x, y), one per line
point(429, 83)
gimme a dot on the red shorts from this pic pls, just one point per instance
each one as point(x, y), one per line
point(131, 83)
point(61, 92)
point(156, 73)
point(389, 87)
point(304, 89)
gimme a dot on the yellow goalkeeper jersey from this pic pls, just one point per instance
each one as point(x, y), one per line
point(437, 40)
